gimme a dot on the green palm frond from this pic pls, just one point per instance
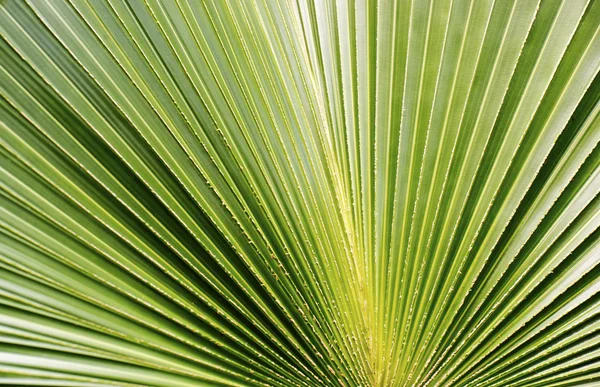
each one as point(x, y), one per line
point(300, 192)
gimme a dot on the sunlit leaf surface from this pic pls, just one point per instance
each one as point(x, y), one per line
point(300, 193)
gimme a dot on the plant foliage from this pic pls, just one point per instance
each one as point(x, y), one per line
point(300, 192)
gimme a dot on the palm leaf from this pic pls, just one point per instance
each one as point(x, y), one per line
point(300, 193)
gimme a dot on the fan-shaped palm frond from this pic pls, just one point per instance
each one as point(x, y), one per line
point(300, 192)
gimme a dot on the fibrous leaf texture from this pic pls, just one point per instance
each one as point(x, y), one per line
point(300, 193)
